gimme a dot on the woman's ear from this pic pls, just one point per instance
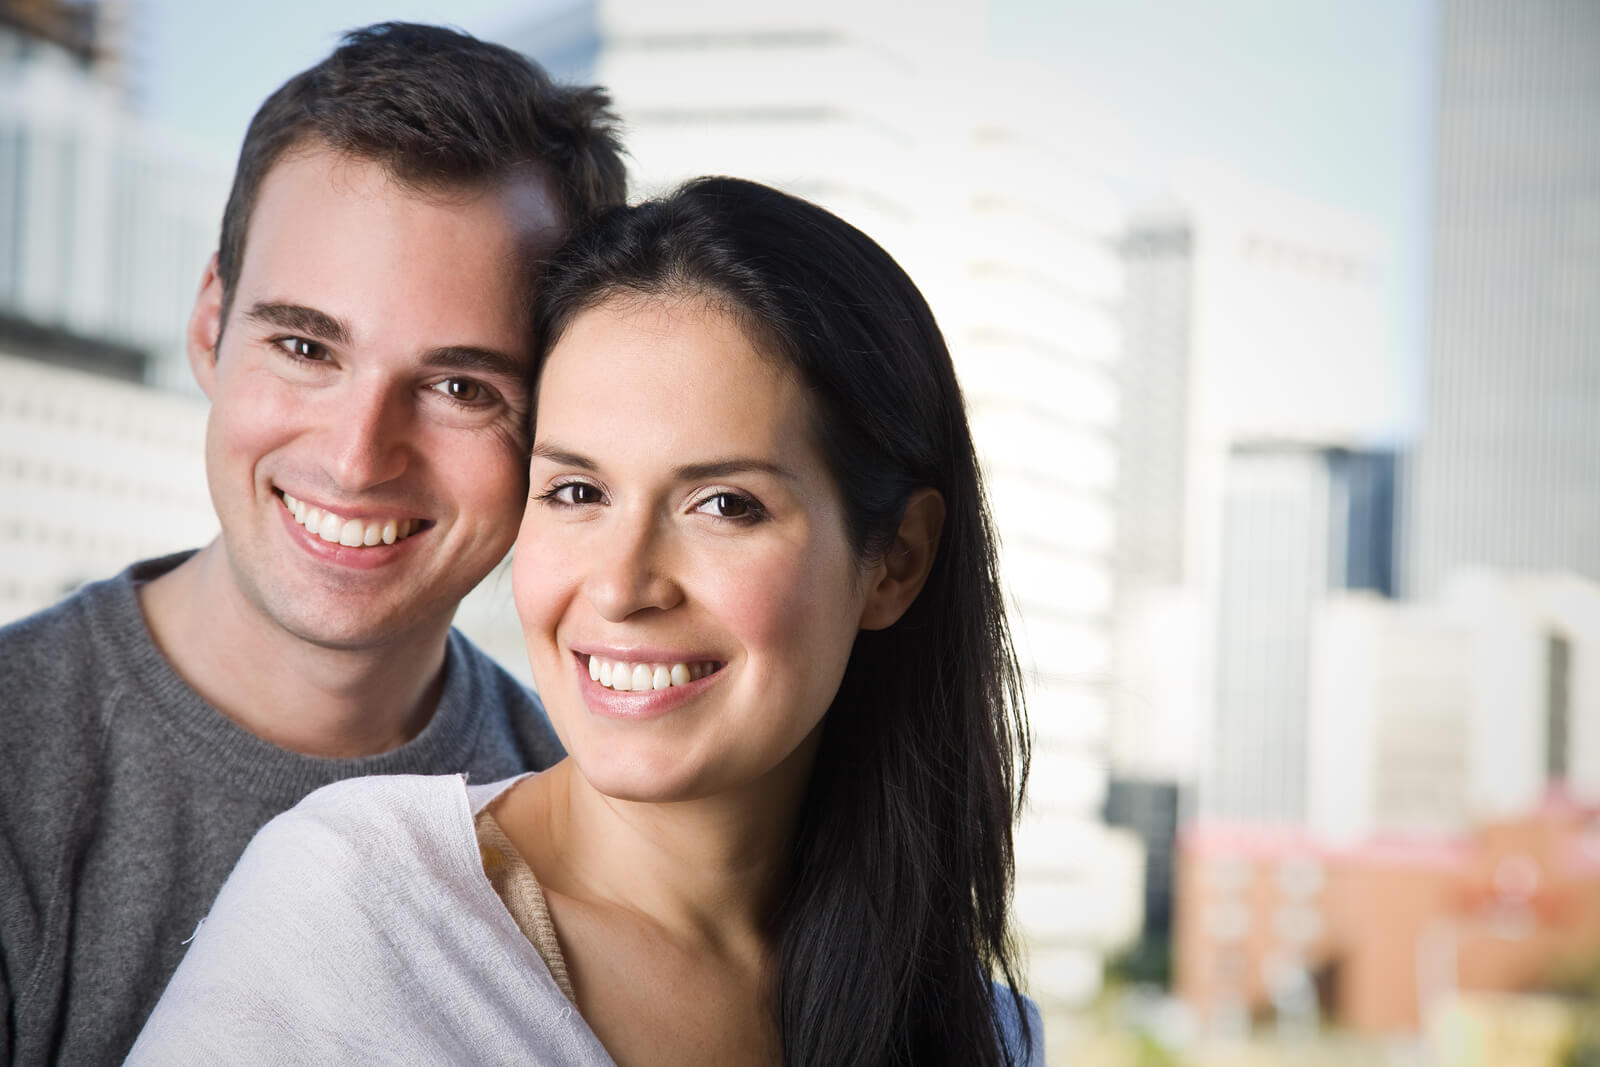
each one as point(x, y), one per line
point(899, 577)
point(205, 328)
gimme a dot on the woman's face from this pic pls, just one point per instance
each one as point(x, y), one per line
point(686, 589)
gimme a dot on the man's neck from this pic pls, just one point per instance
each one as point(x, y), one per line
point(300, 696)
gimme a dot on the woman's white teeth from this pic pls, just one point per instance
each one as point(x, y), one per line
point(640, 677)
point(351, 533)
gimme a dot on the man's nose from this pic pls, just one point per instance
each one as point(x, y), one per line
point(368, 435)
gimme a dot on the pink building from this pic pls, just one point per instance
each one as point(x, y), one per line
point(1267, 919)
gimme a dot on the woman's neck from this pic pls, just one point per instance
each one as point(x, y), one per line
point(665, 911)
point(710, 870)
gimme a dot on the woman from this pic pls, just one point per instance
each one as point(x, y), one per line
point(757, 581)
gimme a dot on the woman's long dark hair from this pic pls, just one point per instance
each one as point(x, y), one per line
point(897, 917)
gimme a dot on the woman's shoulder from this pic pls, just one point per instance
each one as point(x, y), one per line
point(379, 811)
point(336, 840)
point(342, 839)
point(352, 796)
point(1009, 1021)
point(357, 924)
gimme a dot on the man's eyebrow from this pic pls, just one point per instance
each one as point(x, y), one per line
point(300, 319)
point(691, 472)
point(481, 360)
point(324, 327)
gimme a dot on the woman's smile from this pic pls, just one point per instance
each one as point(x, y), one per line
point(642, 688)
point(634, 675)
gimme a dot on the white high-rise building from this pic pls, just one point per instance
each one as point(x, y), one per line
point(104, 229)
point(1298, 523)
point(1427, 717)
point(1252, 315)
point(889, 115)
point(106, 222)
point(1255, 358)
point(94, 474)
point(1504, 469)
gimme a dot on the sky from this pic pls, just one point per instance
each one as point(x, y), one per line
point(1327, 99)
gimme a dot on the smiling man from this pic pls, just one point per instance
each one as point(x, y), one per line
point(362, 334)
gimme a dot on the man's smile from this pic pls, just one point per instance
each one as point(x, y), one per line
point(351, 532)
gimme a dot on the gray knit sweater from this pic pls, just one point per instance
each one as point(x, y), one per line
point(125, 800)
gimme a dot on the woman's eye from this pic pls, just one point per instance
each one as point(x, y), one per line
point(301, 348)
point(464, 390)
point(728, 506)
point(576, 493)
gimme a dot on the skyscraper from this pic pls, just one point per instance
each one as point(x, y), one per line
point(1504, 472)
point(1254, 376)
point(1298, 523)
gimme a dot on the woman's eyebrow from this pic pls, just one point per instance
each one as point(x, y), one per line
point(563, 458)
point(719, 468)
point(722, 468)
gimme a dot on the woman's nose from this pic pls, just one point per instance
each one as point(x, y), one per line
point(630, 569)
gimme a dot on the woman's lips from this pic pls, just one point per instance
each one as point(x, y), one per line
point(637, 676)
point(682, 680)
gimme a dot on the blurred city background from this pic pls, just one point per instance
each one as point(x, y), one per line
point(1279, 324)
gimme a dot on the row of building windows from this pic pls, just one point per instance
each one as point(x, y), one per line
point(25, 465)
point(22, 473)
point(24, 540)
point(117, 418)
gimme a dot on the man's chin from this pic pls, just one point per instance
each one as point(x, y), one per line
point(341, 628)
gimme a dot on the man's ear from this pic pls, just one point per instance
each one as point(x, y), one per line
point(205, 328)
point(899, 577)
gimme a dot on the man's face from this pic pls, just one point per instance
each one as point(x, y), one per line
point(366, 443)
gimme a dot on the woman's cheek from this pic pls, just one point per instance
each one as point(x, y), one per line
point(541, 578)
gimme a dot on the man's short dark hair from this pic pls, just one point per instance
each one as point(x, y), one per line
point(436, 108)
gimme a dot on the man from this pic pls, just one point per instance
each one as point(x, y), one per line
point(363, 336)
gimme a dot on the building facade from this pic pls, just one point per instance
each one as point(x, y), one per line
point(1378, 936)
point(1255, 378)
point(1298, 524)
point(106, 222)
point(1428, 717)
point(1503, 470)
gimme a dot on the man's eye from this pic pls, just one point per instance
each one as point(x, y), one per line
point(464, 390)
point(301, 348)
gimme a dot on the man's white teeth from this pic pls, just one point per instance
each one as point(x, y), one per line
point(638, 677)
point(352, 533)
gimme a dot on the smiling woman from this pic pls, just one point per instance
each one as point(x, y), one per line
point(758, 588)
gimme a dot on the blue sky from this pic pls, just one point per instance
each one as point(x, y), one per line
point(1329, 99)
